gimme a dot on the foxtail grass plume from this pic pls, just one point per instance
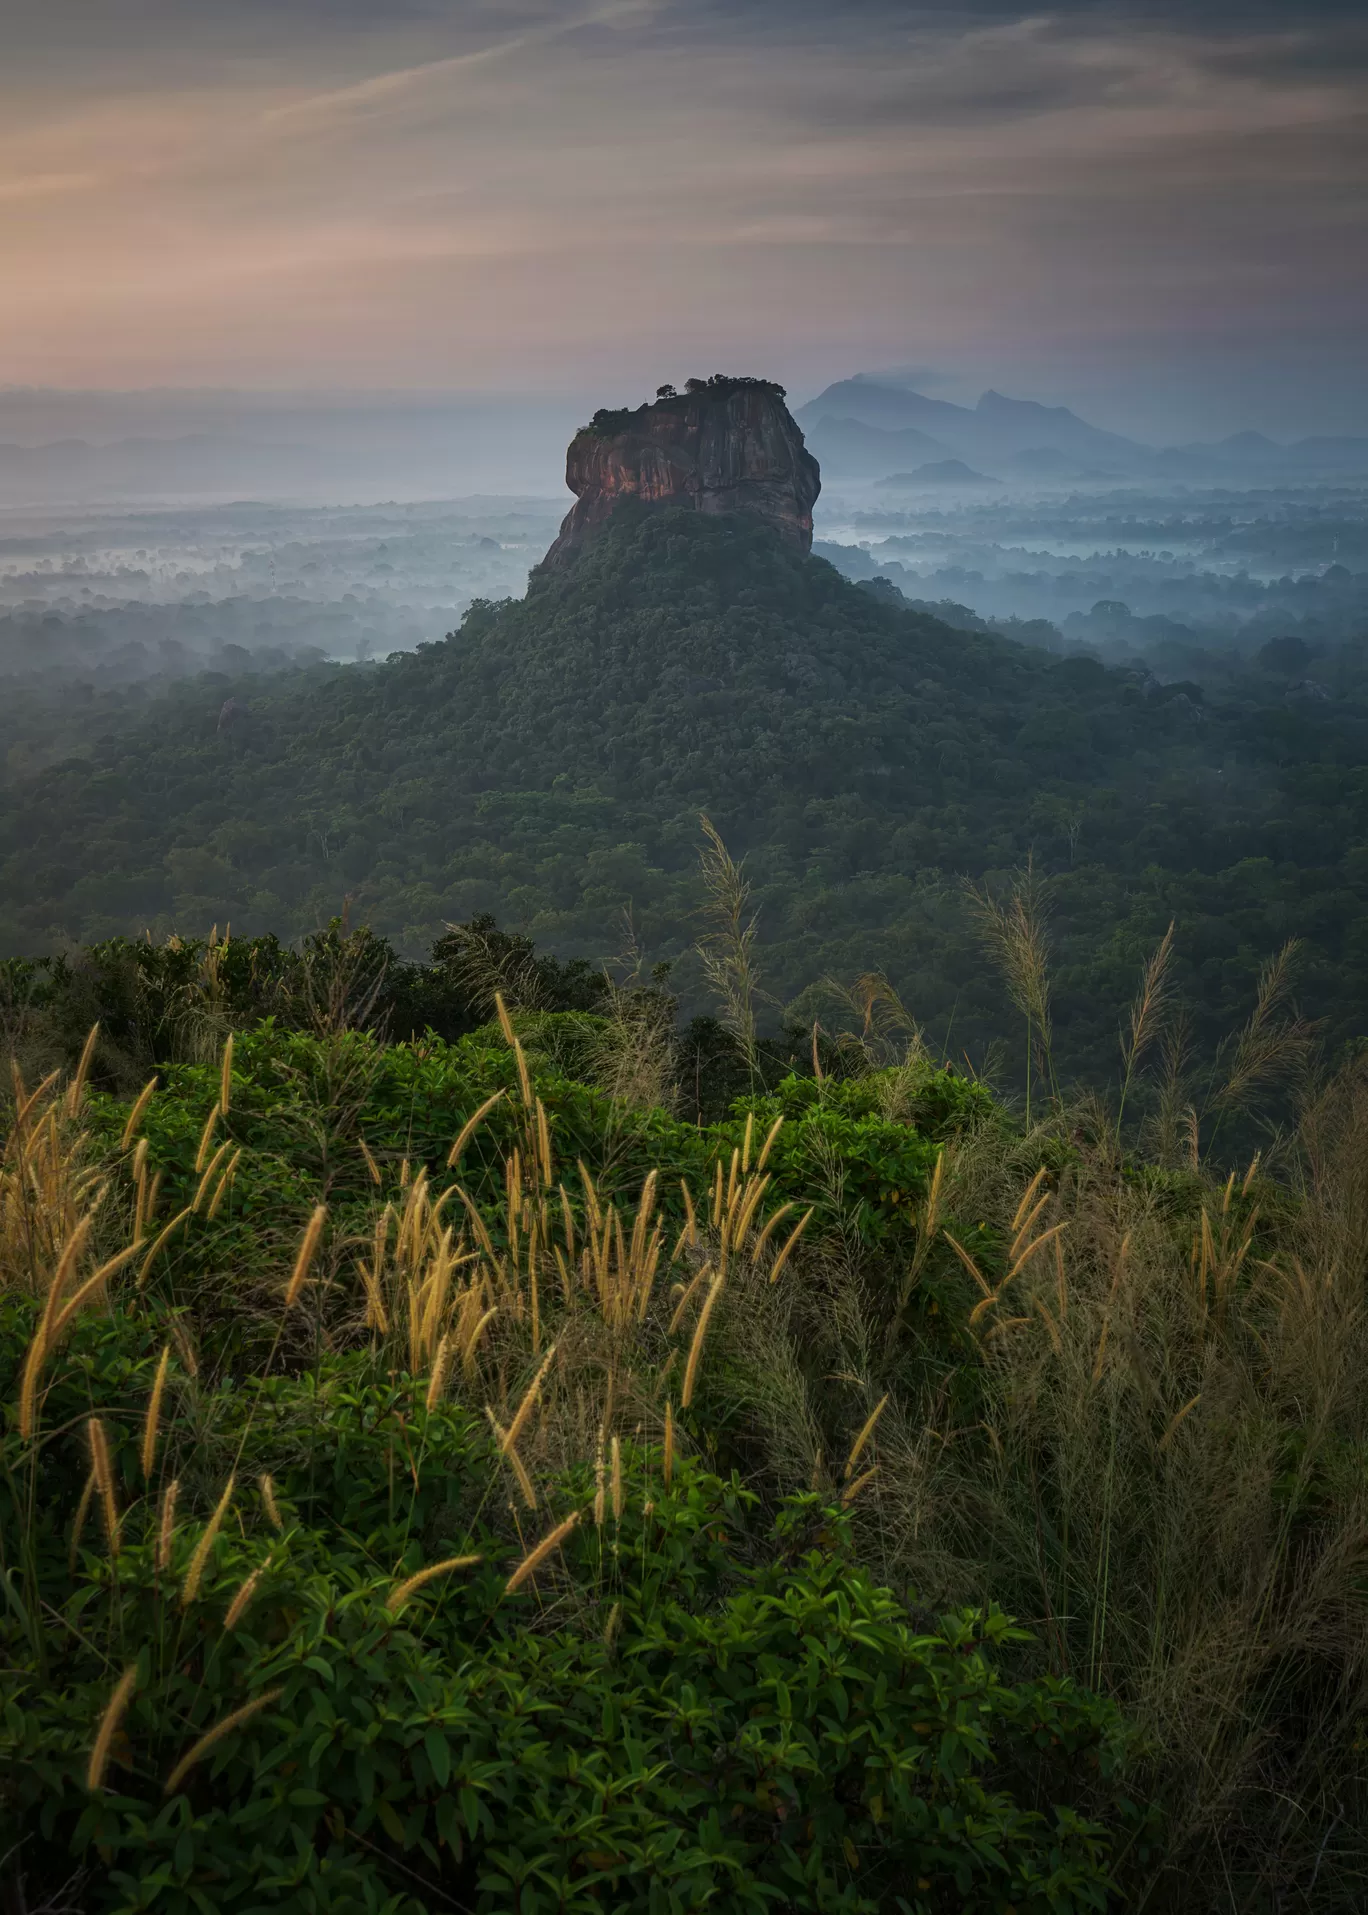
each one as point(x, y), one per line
point(237, 1608)
point(206, 1139)
point(208, 1174)
point(109, 1726)
point(78, 1521)
point(138, 1112)
point(400, 1594)
point(534, 1559)
point(166, 1525)
point(513, 1460)
point(152, 1421)
point(529, 1402)
point(469, 1128)
point(225, 1184)
point(1177, 1420)
point(852, 1490)
point(511, 1039)
point(216, 1735)
point(788, 1246)
point(76, 1088)
point(441, 1367)
point(102, 1469)
point(160, 1242)
point(304, 1261)
point(268, 1497)
point(195, 1573)
point(696, 1347)
point(866, 1431)
point(45, 1335)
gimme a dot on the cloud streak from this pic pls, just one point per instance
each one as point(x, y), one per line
point(486, 194)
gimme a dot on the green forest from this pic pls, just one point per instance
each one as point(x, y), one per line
point(549, 764)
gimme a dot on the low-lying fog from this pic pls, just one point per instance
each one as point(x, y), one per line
point(1183, 564)
point(1181, 579)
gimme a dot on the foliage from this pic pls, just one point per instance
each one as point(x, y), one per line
point(550, 761)
point(276, 1635)
point(791, 1397)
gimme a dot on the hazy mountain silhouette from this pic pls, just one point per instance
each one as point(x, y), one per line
point(990, 434)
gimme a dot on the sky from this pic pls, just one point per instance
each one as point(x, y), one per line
point(1157, 213)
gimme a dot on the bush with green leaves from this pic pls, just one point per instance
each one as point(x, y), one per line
point(689, 1703)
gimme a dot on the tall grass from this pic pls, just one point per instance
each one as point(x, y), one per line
point(1160, 1464)
point(727, 950)
point(1138, 1420)
point(1015, 931)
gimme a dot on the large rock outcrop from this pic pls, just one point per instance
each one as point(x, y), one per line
point(721, 445)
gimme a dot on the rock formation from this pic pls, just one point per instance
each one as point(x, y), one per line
point(722, 445)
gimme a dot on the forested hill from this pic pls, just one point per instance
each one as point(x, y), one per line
point(549, 763)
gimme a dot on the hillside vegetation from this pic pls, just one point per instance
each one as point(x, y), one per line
point(441, 1474)
point(549, 762)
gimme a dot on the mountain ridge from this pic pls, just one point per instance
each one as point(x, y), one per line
point(857, 428)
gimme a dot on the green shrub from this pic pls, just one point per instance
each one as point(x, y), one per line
point(690, 1706)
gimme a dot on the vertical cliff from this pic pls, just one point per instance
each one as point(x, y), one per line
point(722, 445)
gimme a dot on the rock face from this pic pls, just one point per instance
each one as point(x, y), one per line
point(722, 445)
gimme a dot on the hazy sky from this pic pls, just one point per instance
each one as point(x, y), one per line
point(1155, 212)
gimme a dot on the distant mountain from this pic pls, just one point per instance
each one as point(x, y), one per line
point(889, 408)
point(940, 472)
point(1018, 425)
point(850, 449)
point(991, 434)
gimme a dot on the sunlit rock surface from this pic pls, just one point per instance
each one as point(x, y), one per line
point(724, 445)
